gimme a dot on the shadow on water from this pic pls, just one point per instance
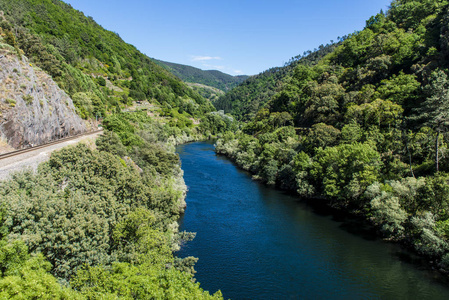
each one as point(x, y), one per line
point(353, 224)
point(361, 228)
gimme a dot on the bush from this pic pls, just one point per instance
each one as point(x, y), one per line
point(426, 240)
point(345, 171)
point(386, 211)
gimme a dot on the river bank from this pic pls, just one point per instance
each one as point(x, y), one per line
point(406, 210)
point(257, 242)
point(101, 219)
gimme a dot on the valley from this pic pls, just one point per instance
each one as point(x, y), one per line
point(326, 177)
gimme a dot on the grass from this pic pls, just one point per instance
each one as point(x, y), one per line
point(11, 102)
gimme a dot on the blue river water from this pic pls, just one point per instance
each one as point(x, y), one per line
point(256, 242)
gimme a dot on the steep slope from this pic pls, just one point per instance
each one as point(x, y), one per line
point(34, 110)
point(82, 57)
point(213, 78)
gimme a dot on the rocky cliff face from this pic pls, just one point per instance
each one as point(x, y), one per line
point(33, 109)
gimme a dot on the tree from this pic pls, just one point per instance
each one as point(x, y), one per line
point(379, 113)
point(435, 110)
point(322, 135)
point(345, 171)
point(399, 89)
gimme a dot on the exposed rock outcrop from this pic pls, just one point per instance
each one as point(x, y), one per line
point(33, 109)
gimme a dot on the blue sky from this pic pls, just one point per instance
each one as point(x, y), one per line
point(233, 36)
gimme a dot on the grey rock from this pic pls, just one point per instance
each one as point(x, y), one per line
point(33, 109)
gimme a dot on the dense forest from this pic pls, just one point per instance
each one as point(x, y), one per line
point(245, 100)
point(362, 127)
point(99, 221)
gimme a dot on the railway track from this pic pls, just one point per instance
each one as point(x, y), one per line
point(21, 151)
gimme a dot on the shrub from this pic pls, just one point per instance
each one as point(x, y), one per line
point(28, 99)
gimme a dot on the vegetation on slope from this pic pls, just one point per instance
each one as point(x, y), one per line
point(103, 222)
point(210, 93)
point(99, 222)
point(213, 78)
point(245, 100)
point(365, 127)
point(94, 66)
point(31, 102)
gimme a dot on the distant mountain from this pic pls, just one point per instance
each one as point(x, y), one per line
point(212, 78)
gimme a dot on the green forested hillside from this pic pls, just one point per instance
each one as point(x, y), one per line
point(213, 78)
point(365, 127)
point(246, 99)
point(95, 66)
point(100, 223)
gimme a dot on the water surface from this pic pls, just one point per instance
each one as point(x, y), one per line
point(255, 242)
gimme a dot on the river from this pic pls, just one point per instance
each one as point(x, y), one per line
point(256, 242)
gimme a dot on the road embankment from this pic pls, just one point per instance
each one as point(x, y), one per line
point(33, 157)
